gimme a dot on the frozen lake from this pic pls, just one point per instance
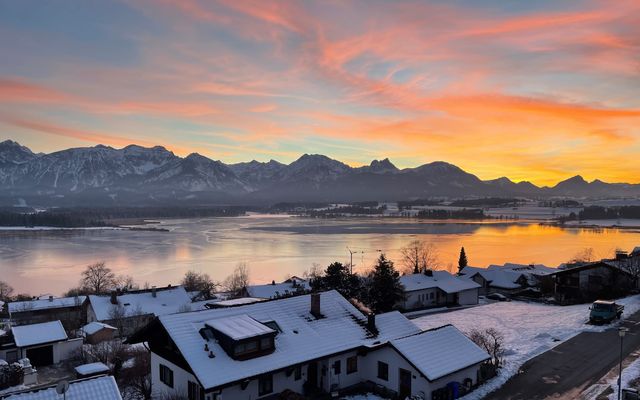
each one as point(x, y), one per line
point(50, 261)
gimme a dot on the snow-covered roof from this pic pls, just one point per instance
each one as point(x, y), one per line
point(499, 278)
point(276, 290)
point(92, 368)
point(166, 301)
point(440, 352)
point(43, 304)
point(236, 302)
point(98, 388)
point(440, 279)
point(239, 327)
point(635, 250)
point(301, 336)
point(533, 269)
point(93, 327)
point(46, 332)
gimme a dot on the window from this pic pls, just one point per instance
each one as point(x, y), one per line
point(166, 375)
point(265, 343)
point(194, 391)
point(352, 365)
point(431, 295)
point(337, 367)
point(247, 347)
point(265, 385)
point(383, 371)
point(297, 373)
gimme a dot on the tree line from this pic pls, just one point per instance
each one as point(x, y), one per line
point(101, 217)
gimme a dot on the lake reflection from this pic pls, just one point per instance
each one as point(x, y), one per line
point(274, 247)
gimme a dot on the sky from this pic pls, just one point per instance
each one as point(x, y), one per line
point(533, 90)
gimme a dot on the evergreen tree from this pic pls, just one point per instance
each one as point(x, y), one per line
point(338, 277)
point(384, 287)
point(462, 261)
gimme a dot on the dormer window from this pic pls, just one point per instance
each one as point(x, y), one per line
point(242, 337)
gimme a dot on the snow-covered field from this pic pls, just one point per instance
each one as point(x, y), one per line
point(529, 329)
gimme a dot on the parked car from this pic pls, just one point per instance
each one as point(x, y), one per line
point(603, 311)
point(498, 297)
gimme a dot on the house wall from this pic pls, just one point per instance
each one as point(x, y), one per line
point(484, 285)
point(592, 283)
point(181, 378)
point(62, 351)
point(420, 299)
point(468, 297)
point(420, 386)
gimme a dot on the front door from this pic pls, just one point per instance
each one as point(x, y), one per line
point(405, 384)
point(312, 374)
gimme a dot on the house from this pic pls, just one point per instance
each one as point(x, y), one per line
point(129, 311)
point(498, 280)
point(96, 332)
point(598, 280)
point(68, 310)
point(43, 344)
point(96, 388)
point(291, 287)
point(437, 289)
point(317, 343)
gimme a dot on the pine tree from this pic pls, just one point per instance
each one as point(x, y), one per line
point(338, 277)
point(385, 289)
point(462, 261)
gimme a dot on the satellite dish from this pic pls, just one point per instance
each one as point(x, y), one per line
point(62, 387)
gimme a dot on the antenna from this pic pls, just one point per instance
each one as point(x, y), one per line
point(61, 388)
point(351, 252)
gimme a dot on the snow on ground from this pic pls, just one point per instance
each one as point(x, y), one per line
point(629, 374)
point(529, 329)
point(367, 396)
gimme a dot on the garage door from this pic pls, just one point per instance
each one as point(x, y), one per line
point(40, 356)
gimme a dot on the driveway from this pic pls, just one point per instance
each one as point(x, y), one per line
point(566, 370)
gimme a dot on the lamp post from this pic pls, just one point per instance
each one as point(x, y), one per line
point(621, 333)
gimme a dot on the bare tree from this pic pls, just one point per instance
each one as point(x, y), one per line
point(199, 282)
point(492, 341)
point(98, 278)
point(583, 256)
point(5, 291)
point(126, 282)
point(632, 266)
point(418, 256)
point(238, 280)
point(117, 314)
point(136, 380)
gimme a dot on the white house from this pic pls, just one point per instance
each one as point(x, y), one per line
point(306, 344)
point(437, 288)
point(131, 310)
point(43, 344)
point(507, 278)
point(98, 388)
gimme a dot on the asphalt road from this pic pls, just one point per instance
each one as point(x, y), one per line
point(566, 370)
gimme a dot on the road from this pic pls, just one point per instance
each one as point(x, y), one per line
point(566, 370)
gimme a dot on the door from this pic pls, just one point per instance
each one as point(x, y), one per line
point(40, 356)
point(405, 384)
point(312, 374)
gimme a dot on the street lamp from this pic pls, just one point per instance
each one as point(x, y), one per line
point(621, 333)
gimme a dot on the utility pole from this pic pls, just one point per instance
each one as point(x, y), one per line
point(351, 253)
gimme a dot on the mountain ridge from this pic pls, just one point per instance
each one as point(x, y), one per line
point(151, 175)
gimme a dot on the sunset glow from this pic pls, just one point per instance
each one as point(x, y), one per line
point(537, 91)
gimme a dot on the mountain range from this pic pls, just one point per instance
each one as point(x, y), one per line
point(135, 175)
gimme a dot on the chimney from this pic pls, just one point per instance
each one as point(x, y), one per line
point(428, 272)
point(273, 283)
point(153, 291)
point(315, 305)
point(51, 298)
point(114, 297)
point(621, 255)
point(371, 323)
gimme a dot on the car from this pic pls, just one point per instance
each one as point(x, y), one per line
point(498, 297)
